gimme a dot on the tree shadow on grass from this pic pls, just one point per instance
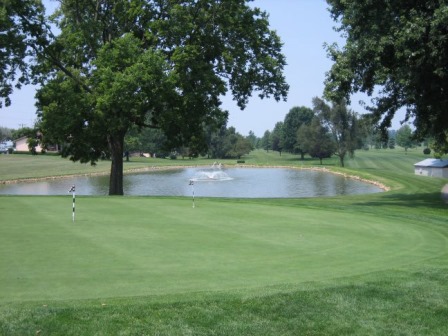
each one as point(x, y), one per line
point(311, 160)
point(432, 200)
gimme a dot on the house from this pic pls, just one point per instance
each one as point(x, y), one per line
point(22, 145)
point(432, 168)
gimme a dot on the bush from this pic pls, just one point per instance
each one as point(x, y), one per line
point(240, 161)
point(427, 151)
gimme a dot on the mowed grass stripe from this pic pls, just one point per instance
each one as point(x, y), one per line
point(154, 246)
point(384, 160)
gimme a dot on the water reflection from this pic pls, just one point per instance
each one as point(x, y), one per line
point(245, 183)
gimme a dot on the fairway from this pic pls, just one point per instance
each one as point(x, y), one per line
point(137, 246)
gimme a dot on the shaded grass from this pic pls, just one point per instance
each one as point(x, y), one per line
point(138, 265)
point(392, 303)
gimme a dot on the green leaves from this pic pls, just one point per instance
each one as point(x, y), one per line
point(296, 117)
point(401, 48)
point(129, 82)
point(160, 64)
point(22, 34)
point(341, 123)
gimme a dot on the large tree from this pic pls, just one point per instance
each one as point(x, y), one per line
point(404, 137)
point(228, 143)
point(5, 133)
point(342, 125)
point(266, 141)
point(399, 49)
point(277, 137)
point(253, 139)
point(236, 145)
point(161, 64)
point(316, 140)
point(296, 117)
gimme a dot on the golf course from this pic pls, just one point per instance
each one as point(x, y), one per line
point(374, 264)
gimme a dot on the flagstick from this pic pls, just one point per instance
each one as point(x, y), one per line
point(73, 212)
point(192, 188)
point(72, 190)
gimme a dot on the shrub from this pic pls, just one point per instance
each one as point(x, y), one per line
point(427, 151)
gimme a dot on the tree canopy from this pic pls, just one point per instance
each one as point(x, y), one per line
point(277, 137)
point(296, 117)
point(5, 133)
point(316, 140)
point(120, 64)
point(400, 50)
point(266, 140)
point(403, 137)
point(342, 124)
point(228, 143)
point(23, 30)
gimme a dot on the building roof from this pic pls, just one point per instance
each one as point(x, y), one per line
point(433, 163)
point(21, 138)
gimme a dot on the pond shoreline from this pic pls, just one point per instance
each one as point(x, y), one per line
point(162, 168)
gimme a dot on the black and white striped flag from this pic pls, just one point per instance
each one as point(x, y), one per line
point(72, 190)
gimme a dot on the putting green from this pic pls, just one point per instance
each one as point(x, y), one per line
point(121, 247)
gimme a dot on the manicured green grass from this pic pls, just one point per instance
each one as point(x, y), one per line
point(365, 264)
point(160, 246)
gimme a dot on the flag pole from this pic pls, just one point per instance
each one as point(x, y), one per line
point(72, 190)
point(192, 188)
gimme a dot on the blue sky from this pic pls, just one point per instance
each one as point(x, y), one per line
point(303, 25)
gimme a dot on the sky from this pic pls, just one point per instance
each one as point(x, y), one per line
point(303, 26)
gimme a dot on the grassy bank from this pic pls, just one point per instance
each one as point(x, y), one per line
point(366, 264)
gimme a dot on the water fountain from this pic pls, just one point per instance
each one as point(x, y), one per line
point(214, 173)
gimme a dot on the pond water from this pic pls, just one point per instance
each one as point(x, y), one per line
point(232, 182)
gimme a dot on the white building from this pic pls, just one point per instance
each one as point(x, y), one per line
point(22, 145)
point(432, 168)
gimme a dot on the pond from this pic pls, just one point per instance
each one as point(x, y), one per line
point(232, 182)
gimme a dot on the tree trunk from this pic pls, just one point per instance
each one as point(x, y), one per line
point(341, 160)
point(116, 143)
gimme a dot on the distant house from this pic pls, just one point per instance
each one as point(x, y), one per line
point(22, 145)
point(432, 168)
